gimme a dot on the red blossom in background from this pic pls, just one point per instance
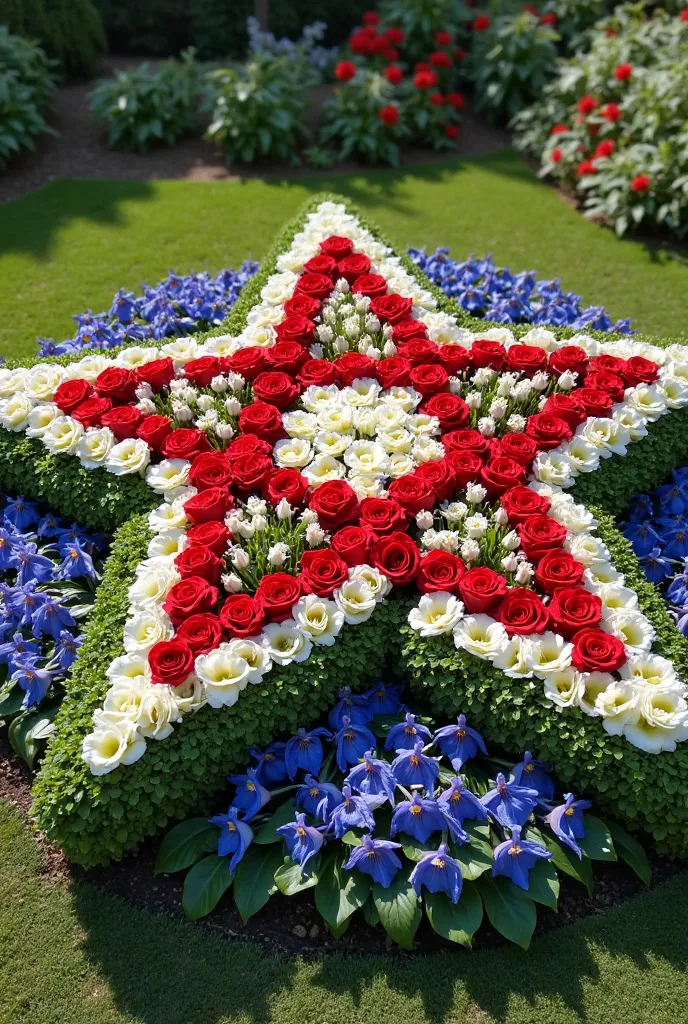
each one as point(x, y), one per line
point(440, 59)
point(623, 72)
point(556, 156)
point(558, 129)
point(437, 99)
point(394, 75)
point(612, 112)
point(455, 100)
point(683, 16)
point(605, 148)
point(443, 38)
point(395, 36)
point(425, 79)
point(586, 167)
point(641, 183)
point(345, 71)
point(389, 115)
point(549, 19)
point(452, 131)
point(586, 105)
point(481, 23)
point(371, 18)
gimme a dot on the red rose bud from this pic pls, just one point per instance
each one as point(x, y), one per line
point(71, 394)
point(337, 246)
point(488, 353)
point(297, 329)
point(122, 421)
point(596, 651)
point(201, 633)
point(208, 506)
point(335, 504)
point(522, 612)
point(210, 470)
point(322, 571)
point(391, 309)
point(277, 594)
point(90, 412)
point(242, 615)
point(213, 535)
point(190, 597)
point(520, 503)
point(116, 383)
point(157, 373)
point(353, 267)
point(285, 483)
point(354, 544)
point(198, 560)
point(185, 443)
point(317, 286)
point(371, 285)
point(440, 571)
point(539, 534)
point(201, 371)
point(573, 609)
point(413, 493)
point(249, 362)
point(558, 569)
point(481, 589)
point(398, 557)
point(548, 431)
point(262, 419)
point(171, 662)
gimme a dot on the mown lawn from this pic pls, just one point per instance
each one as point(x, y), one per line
point(69, 247)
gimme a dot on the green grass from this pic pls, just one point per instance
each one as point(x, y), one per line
point(75, 955)
point(68, 247)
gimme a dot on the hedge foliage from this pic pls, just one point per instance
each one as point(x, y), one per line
point(69, 30)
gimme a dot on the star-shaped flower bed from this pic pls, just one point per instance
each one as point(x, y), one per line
point(349, 477)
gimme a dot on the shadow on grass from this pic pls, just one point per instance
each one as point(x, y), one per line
point(194, 977)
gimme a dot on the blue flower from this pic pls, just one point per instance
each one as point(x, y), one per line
point(304, 751)
point(25, 601)
point(655, 567)
point(8, 547)
point(355, 708)
point(459, 742)
point(21, 513)
point(676, 545)
point(235, 836)
point(77, 562)
point(414, 768)
point(270, 768)
point(33, 680)
point(508, 803)
point(32, 566)
point(672, 498)
point(534, 774)
point(66, 649)
point(353, 812)
point(418, 817)
point(404, 735)
point(48, 526)
point(250, 795)
point(643, 537)
point(50, 617)
point(436, 871)
point(677, 591)
point(318, 799)
point(639, 508)
point(566, 821)
point(352, 741)
point(302, 840)
point(382, 699)
point(515, 857)
point(374, 779)
point(458, 804)
point(375, 857)
point(13, 651)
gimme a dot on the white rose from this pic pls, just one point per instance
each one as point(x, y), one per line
point(112, 744)
point(145, 628)
point(168, 516)
point(586, 549)
point(255, 656)
point(285, 643)
point(279, 288)
point(168, 475)
point(514, 659)
point(614, 598)
point(157, 713)
point(606, 434)
point(321, 619)
point(63, 435)
point(168, 542)
point(676, 391)
point(662, 721)
point(225, 675)
point(583, 456)
point(632, 421)
point(190, 695)
point(649, 400)
point(221, 345)
point(576, 518)
point(151, 588)
point(399, 465)
point(618, 706)
point(355, 600)
point(293, 453)
point(181, 350)
point(95, 446)
point(135, 355)
point(43, 380)
point(436, 613)
point(594, 683)
point(375, 580)
point(129, 456)
point(539, 337)
point(481, 636)
point(128, 668)
point(88, 368)
point(564, 688)
point(554, 468)
point(601, 571)
point(649, 670)
point(11, 381)
point(256, 336)
point(549, 653)
point(322, 469)
point(300, 424)
point(15, 412)
point(630, 626)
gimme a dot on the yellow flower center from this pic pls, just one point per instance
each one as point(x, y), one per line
point(515, 850)
point(415, 809)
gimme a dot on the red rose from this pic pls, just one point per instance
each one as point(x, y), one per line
point(488, 353)
point(321, 264)
point(208, 506)
point(353, 365)
point(122, 421)
point(393, 372)
point(419, 350)
point(201, 371)
point(250, 472)
point(520, 503)
point(454, 359)
point(285, 357)
point(210, 470)
point(523, 612)
point(322, 571)
point(467, 441)
point(277, 594)
point(398, 557)
point(607, 364)
point(596, 651)
point(391, 309)
point(371, 285)
point(116, 383)
point(440, 474)
point(548, 431)
point(72, 393)
point(263, 420)
point(539, 534)
point(450, 410)
point(573, 609)
point(408, 329)
point(595, 402)
point(337, 246)
point(566, 407)
point(429, 379)
point(90, 412)
point(198, 560)
point(247, 444)
point(440, 571)
point(213, 535)
point(382, 516)
point(317, 372)
point(394, 74)
point(640, 371)
point(317, 286)
point(353, 267)
point(354, 544)
point(389, 114)
point(527, 359)
point(481, 589)
point(154, 430)
point(249, 362)
point(201, 633)
point(609, 382)
point(519, 447)
point(335, 504)
point(345, 70)
point(298, 329)
point(185, 443)
point(242, 615)
point(190, 597)
point(569, 357)
point(413, 493)
point(558, 569)
point(171, 662)
point(500, 475)
point(157, 373)
point(285, 483)
point(276, 388)
point(465, 467)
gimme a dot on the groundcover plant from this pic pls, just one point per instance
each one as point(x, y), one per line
point(351, 473)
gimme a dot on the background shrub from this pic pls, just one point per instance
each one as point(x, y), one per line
point(71, 31)
point(362, 120)
point(26, 84)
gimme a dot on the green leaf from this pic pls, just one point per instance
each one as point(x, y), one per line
point(566, 860)
point(509, 910)
point(340, 893)
point(185, 844)
point(204, 886)
point(11, 699)
point(370, 912)
point(351, 838)
point(597, 842)
point(631, 852)
point(415, 850)
point(291, 878)
point(474, 857)
point(254, 879)
point(543, 883)
point(399, 909)
point(19, 734)
point(282, 816)
point(457, 922)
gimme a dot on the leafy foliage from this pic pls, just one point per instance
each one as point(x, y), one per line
point(27, 81)
point(71, 31)
point(354, 120)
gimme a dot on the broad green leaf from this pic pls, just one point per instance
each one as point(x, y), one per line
point(509, 910)
point(340, 893)
point(474, 857)
point(282, 816)
point(11, 699)
point(254, 879)
point(21, 738)
point(415, 850)
point(337, 932)
point(630, 851)
point(351, 838)
point(566, 860)
point(185, 844)
point(291, 878)
point(597, 842)
point(399, 909)
point(457, 922)
point(205, 884)
point(370, 912)
point(543, 883)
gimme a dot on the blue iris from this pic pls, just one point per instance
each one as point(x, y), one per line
point(351, 743)
point(405, 735)
point(354, 707)
point(303, 841)
point(375, 857)
point(250, 795)
point(414, 768)
point(436, 871)
point(515, 858)
point(382, 699)
point(353, 812)
point(373, 779)
point(566, 821)
point(270, 766)
point(459, 742)
point(534, 774)
point(643, 537)
point(235, 836)
point(418, 817)
point(510, 804)
point(304, 751)
point(318, 799)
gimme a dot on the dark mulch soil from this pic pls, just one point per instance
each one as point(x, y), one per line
point(292, 926)
point(80, 151)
